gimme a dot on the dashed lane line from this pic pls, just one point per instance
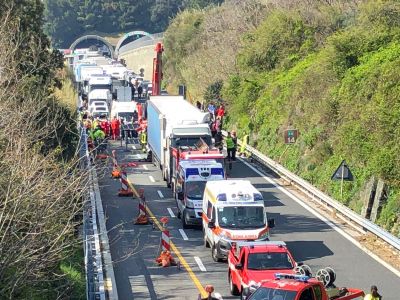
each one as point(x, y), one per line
point(171, 213)
point(145, 167)
point(151, 178)
point(183, 234)
point(160, 194)
point(183, 261)
point(200, 264)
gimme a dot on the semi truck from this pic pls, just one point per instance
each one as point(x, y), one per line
point(169, 128)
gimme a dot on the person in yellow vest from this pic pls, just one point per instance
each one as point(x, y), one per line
point(374, 295)
point(245, 142)
point(143, 140)
point(230, 148)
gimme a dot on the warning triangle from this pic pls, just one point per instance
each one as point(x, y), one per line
point(343, 172)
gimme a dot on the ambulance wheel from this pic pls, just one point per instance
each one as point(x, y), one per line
point(183, 219)
point(206, 243)
point(214, 254)
point(233, 288)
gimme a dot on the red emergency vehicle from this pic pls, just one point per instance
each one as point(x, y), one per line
point(252, 262)
point(301, 287)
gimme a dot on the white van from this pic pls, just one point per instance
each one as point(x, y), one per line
point(233, 210)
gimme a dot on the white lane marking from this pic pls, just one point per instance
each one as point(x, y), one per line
point(200, 264)
point(134, 147)
point(145, 167)
point(151, 178)
point(171, 213)
point(183, 234)
point(218, 296)
point(322, 218)
point(160, 194)
point(139, 287)
point(127, 230)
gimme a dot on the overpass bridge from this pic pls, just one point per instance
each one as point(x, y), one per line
point(137, 54)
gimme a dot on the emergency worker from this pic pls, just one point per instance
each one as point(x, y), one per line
point(143, 140)
point(374, 295)
point(230, 147)
point(115, 128)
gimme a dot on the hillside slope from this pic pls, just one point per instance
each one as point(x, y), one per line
point(329, 70)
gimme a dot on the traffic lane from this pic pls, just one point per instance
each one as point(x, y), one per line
point(216, 273)
point(316, 243)
point(166, 282)
point(134, 247)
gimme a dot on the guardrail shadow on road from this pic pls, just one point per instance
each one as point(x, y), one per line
point(306, 250)
point(289, 224)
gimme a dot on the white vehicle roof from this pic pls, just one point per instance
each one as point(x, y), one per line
point(173, 106)
point(118, 107)
point(233, 191)
point(117, 71)
point(99, 94)
point(99, 79)
point(88, 71)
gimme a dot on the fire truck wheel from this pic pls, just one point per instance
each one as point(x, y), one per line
point(233, 288)
point(214, 254)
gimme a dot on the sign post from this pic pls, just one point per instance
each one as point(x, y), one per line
point(342, 173)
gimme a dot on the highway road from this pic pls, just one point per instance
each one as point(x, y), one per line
point(134, 247)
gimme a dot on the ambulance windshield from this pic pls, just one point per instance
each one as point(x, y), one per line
point(195, 189)
point(243, 217)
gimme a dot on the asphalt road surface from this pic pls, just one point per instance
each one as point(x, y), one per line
point(135, 247)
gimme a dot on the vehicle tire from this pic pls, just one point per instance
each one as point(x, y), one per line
point(206, 243)
point(183, 219)
point(233, 288)
point(214, 254)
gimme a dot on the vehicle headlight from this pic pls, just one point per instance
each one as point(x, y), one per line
point(189, 203)
point(253, 286)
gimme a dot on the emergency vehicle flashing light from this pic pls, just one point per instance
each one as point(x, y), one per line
point(301, 278)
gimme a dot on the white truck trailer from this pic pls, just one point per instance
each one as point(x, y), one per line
point(172, 123)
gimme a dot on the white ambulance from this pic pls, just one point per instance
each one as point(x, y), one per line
point(233, 210)
point(191, 178)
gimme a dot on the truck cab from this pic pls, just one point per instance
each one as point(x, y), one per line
point(192, 176)
point(300, 287)
point(233, 210)
point(253, 262)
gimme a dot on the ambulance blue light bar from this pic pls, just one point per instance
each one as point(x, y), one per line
point(221, 197)
point(301, 278)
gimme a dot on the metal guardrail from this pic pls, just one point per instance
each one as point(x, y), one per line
point(312, 191)
point(95, 289)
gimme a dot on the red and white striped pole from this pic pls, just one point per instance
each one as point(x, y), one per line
point(142, 218)
point(125, 191)
point(165, 238)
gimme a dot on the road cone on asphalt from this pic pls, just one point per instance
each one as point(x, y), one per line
point(142, 218)
point(125, 190)
point(116, 172)
point(165, 258)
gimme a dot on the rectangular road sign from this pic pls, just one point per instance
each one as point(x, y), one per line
point(291, 136)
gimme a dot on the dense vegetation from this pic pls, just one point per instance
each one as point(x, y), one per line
point(40, 186)
point(69, 19)
point(327, 68)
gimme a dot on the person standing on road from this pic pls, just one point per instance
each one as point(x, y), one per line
point(374, 295)
point(234, 139)
point(140, 91)
point(230, 147)
point(115, 128)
